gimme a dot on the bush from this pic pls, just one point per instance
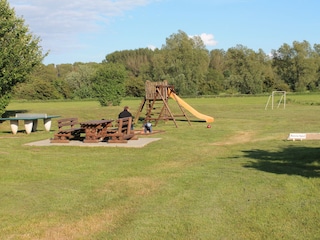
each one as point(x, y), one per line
point(109, 84)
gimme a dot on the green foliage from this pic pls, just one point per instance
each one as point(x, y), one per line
point(213, 84)
point(4, 101)
point(185, 62)
point(80, 81)
point(63, 88)
point(217, 60)
point(134, 87)
point(62, 70)
point(298, 65)
point(247, 71)
point(43, 84)
point(19, 53)
point(108, 84)
point(135, 61)
point(37, 89)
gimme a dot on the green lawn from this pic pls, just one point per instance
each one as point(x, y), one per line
point(239, 179)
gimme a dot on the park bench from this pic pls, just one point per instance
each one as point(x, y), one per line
point(297, 136)
point(68, 128)
point(122, 132)
point(30, 121)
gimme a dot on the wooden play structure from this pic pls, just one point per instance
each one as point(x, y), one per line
point(156, 104)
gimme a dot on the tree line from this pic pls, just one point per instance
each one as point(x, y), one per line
point(185, 63)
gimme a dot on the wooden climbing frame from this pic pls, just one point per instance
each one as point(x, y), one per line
point(157, 94)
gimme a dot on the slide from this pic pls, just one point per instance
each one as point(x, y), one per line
point(194, 112)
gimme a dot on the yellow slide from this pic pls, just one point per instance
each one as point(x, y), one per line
point(194, 112)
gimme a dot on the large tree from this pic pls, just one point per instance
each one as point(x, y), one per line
point(138, 64)
point(20, 52)
point(297, 65)
point(134, 60)
point(247, 70)
point(184, 63)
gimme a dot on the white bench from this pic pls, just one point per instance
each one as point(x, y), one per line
point(30, 121)
point(297, 136)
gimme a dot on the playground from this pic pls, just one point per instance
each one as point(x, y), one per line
point(96, 132)
point(239, 179)
point(156, 105)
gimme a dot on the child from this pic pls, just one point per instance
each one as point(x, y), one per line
point(147, 127)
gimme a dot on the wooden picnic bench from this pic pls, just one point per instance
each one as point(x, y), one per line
point(96, 130)
point(68, 128)
point(122, 132)
point(30, 121)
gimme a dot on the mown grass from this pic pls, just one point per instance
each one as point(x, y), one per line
point(239, 179)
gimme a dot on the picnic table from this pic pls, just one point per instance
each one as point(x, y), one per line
point(30, 121)
point(95, 130)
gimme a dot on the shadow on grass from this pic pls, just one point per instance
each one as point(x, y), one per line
point(292, 160)
point(191, 120)
point(11, 113)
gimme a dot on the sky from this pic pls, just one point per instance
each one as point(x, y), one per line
point(88, 30)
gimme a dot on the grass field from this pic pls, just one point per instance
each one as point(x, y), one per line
point(239, 179)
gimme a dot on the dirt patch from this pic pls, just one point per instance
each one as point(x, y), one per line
point(240, 137)
point(313, 136)
point(107, 220)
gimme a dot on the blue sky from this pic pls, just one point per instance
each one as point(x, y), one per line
point(88, 30)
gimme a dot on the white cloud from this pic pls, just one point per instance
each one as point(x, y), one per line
point(58, 22)
point(208, 39)
point(152, 47)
